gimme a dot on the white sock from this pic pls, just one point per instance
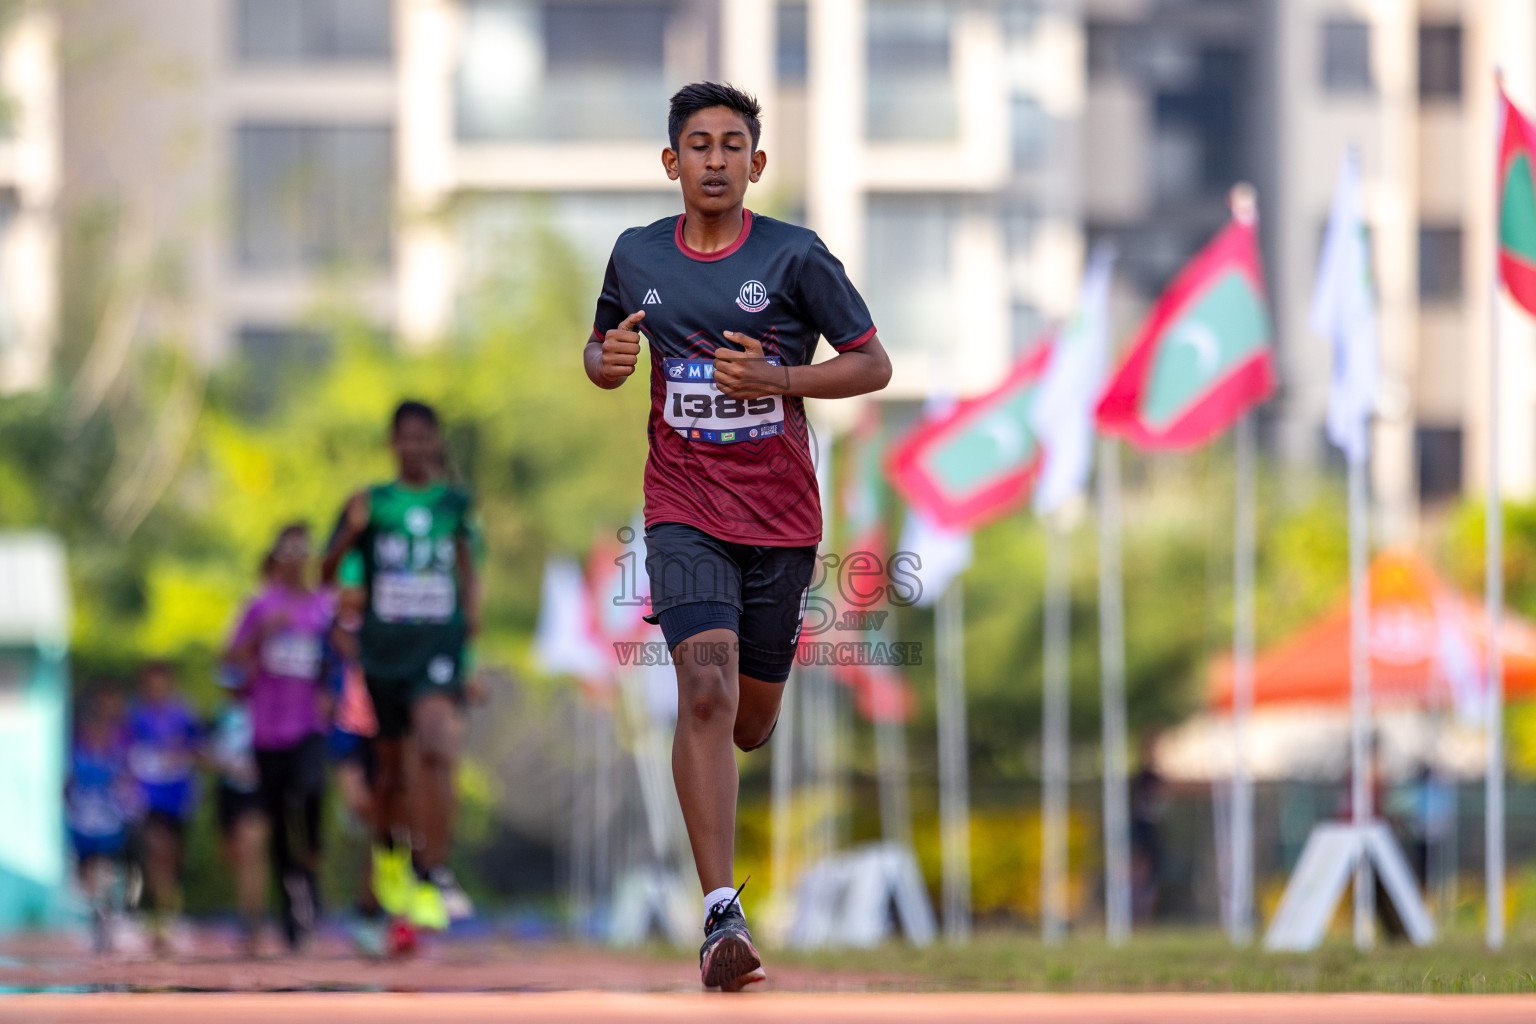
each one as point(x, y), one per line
point(718, 896)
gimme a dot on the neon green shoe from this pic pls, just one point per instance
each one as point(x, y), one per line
point(427, 909)
point(393, 880)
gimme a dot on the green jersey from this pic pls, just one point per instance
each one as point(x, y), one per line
point(407, 563)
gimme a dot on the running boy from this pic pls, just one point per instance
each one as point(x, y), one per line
point(413, 537)
point(98, 805)
point(732, 304)
point(164, 739)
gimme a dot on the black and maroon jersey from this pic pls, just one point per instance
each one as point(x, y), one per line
point(738, 469)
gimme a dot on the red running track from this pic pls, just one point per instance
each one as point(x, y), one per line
point(759, 1008)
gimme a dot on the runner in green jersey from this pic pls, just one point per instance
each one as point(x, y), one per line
point(413, 540)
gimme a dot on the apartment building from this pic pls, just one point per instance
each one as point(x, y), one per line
point(239, 164)
point(228, 167)
point(931, 143)
point(1195, 94)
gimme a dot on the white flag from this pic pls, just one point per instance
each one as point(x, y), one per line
point(1343, 311)
point(1063, 413)
point(565, 641)
point(942, 554)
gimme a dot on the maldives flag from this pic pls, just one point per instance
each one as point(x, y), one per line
point(860, 593)
point(1517, 205)
point(978, 462)
point(1202, 357)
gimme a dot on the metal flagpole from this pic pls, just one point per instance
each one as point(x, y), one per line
point(891, 761)
point(1053, 810)
point(1360, 701)
point(1240, 924)
point(782, 781)
point(954, 797)
point(602, 807)
point(580, 820)
point(1494, 597)
point(1117, 826)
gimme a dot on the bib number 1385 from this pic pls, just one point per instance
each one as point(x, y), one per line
point(696, 409)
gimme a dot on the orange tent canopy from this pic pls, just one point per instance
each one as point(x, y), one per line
point(1409, 608)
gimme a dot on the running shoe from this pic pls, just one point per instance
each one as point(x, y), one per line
point(427, 909)
point(455, 900)
point(371, 936)
point(393, 880)
point(400, 939)
point(301, 911)
point(728, 960)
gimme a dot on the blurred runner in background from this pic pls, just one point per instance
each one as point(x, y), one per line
point(99, 798)
point(163, 742)
point(353, 728)
point(237, 803)
point(413, 537)
point(279, 646)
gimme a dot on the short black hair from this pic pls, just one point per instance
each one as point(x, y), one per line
point(410, 409)
point(296, 528)
point(691, 99)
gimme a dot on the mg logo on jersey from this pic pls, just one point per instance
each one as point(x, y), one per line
point(753, 297)
point(652, 298)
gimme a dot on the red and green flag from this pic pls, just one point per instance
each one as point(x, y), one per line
point(980, 460)
point(881, 691)
point(1517, 205)
point(1202, 357)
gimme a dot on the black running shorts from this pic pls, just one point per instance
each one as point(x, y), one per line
point(700, 582)
point(395, 699)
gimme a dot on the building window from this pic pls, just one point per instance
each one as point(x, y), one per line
point(497, 230)
point(312, 195)
point(910, 290)
point(792, 46)
point(1111, 50)
point(304, 31)
point(911, 95)
point(531, 71)
point(1020, 19)
point(1347, 57)
point(1440, 62)
point(1031, 133)
point(1440, 263)
point(1439, 450)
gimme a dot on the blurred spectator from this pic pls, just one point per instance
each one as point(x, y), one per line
point(242, 826)
point(1147, 805)
point(353, 727)
point(163, 741)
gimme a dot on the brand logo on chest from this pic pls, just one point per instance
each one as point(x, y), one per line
point(753, 297)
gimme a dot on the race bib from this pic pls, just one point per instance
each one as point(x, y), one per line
point(158, 767)
point(414, 596)
point(295, 655)
point(697, 410)
point(94, 813)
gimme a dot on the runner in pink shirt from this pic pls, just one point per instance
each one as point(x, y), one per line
point(279, 647)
